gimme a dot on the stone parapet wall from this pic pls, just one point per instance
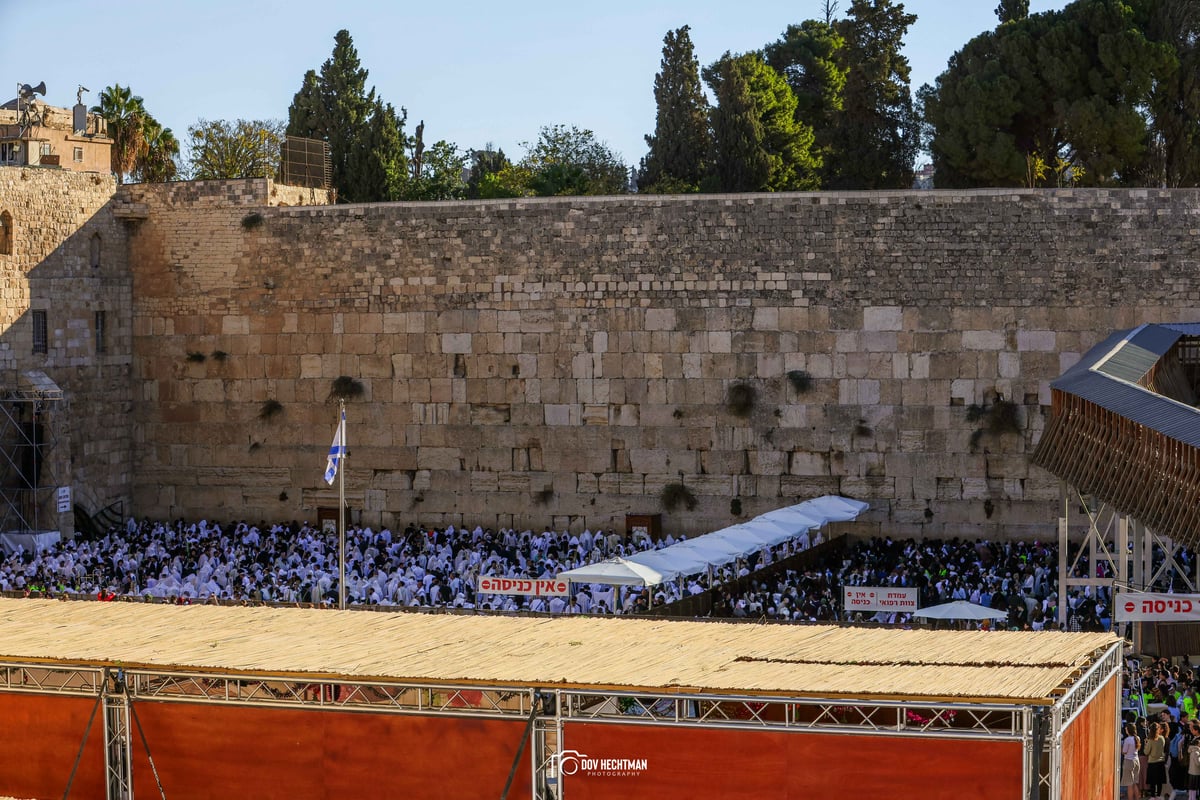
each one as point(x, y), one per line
point(566, 359)
point(246, 193)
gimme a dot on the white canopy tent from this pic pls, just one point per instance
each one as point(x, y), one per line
point(619, 572)
point(960, 609)
point(694, 556)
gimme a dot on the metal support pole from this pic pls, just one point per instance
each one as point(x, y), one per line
point(118, 750)
point(342, 507)
point(1062, 554)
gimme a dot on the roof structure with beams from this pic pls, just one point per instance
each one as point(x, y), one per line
point(588, 652)
point(1125, 427)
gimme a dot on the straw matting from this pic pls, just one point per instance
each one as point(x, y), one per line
point(576, 652)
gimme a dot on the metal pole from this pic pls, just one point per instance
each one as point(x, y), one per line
point(342, 507)
point(1063, 541)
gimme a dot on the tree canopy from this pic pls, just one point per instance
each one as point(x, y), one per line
point(877, 130)
point(679, 146)
point(365, 135)
point(811, 57)
point(564, 160)
point(758, 145)
point(239, 149)
point(141, 147)
point(1056, 97)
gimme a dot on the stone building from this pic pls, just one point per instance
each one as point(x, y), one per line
point(576, 360)
point(35, 134)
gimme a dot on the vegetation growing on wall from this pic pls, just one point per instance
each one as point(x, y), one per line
point(800, 380)
point(269, 409)
point(676, 494)
point(740, 399)
point(345, 388)
point(996, 419)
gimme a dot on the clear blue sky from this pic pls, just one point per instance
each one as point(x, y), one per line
point(475, 72)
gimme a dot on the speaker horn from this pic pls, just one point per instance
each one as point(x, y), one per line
point(27, 90)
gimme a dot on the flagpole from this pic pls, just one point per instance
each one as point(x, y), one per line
point(342, 509)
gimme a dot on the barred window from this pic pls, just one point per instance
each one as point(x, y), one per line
point(6, 233)
point(101, 343)
point(40, 342)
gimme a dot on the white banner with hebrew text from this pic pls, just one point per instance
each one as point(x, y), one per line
point(1152, 607)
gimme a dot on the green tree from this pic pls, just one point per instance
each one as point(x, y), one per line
point(758, 145)
point(878, 131)
point(484, 162)
point(1065, 87)
point(159, 158)
point(376, 166)
point(811, 57)
point(511, 180)
point(126, 115)
point(1012, 10)
point(435, 173)
point(1173, 154)
point(365, 135)
point(240, 149)
point(680, 143)
point(572, 161)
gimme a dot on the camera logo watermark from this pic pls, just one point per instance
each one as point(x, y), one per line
point(573, 762)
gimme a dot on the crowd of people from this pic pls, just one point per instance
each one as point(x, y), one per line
point(1160, 736)
point(430, 567)
point(297, 563)
point(1018, 578)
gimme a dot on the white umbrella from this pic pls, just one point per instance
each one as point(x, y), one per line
point(960, 609)
point(617, 571)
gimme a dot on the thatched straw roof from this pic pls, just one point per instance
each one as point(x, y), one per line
point(579, 652)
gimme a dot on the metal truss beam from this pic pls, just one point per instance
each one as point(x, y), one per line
point(953, 720)
point(1121, 545)
point(340, 695)
point(38, 679)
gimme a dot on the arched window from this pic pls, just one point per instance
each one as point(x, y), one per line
point(94, 253)
point(6, 234)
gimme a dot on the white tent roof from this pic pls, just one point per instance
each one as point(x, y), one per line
point(618, 571)
point(694, 556)
point(960, 609)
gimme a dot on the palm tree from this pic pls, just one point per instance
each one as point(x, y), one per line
point(126, 117)
point(157, 163)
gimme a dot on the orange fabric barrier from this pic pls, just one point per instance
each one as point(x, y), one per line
point(207, 752)
point(1089, 749)
point(43, 736)
point(736, 764)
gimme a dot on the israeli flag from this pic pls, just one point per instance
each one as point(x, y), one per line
point(336, 450)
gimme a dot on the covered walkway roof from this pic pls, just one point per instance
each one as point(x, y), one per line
point(609, 653)
point(1124, 427)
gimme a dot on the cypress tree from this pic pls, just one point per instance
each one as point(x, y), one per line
point(757, 143)
point(811, 57)
point(680, 143)
point(877, 132)
point(335, 106)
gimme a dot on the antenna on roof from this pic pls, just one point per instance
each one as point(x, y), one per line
point(26, 92)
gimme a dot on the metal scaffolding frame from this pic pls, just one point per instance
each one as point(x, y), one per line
point(28, 441)
point(1119, 543)
point(1038, 727)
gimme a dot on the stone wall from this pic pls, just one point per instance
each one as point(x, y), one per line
point(69, 259)
point(567, 359)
